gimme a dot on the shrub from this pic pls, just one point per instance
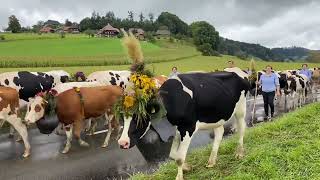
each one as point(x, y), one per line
point(62, 35)
point(2, 38)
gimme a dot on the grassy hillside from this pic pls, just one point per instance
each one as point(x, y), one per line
point(314, 56)
point(288, 148)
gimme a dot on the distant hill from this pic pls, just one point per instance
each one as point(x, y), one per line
point(314, 56)
point(244, 50)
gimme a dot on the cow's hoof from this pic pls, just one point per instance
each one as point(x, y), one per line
point(186, 167)
point(65, 150)
point(26, 154)
point(104, 145)
point(240, 153)
point(19, 139)
point(179, 177)
point(10, 136)
point(210, 164)
point(84, 144)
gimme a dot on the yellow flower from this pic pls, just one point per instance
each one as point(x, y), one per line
point(128, 102)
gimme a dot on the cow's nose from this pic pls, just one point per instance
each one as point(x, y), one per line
point(123, 144)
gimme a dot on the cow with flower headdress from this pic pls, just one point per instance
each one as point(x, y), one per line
point(190, 102)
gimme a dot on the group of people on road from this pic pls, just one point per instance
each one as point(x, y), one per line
point(269, 83)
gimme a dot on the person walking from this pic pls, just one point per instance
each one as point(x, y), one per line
point(230, 64)
point(174, 72)
point(270, 87)
point(306, 71)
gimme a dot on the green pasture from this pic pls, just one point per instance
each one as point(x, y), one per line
point(79, 50)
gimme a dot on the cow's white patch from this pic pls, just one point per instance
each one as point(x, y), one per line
point(32, 116)
point(185, 89)
point(69, 85)
point(0, 99)
point(206, 126)
point(238, 71)
point(125, 136)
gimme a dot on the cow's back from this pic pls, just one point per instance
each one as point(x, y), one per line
point(90, 102)
point(215, 94)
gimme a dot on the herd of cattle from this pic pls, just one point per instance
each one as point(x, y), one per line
point(193, 101)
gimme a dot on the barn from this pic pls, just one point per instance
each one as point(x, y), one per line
point(108, 31)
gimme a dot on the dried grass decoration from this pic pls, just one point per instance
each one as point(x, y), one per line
point(143, 89)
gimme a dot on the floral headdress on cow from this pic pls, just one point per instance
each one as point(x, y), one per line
point(137, 97)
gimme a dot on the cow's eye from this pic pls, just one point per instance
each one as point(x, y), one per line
point(37, 108)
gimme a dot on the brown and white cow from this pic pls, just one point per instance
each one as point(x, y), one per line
point(72, 108)
point(9, 105)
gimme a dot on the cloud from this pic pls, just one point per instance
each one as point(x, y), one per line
point(268, 22)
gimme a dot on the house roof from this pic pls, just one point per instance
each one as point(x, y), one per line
point(46, 29)
point(109, 28)
point(163, 32)
point(138, 30)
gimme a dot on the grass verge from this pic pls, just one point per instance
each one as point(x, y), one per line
point(288, 148)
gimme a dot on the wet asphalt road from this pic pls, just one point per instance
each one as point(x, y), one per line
point(94, 162)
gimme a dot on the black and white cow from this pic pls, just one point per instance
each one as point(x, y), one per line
point(297, 86)
point(195, 102)
point(28, 84)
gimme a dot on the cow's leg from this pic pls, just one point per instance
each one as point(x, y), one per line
point(68, 129)
point(93, 127)
point(11, 132)
point(175, 145)
point(241, 126)
point(116, 125)
point(181, 155)
point(109, 132)
point(22, 130)
point(88, 125)
point(77, 125)
point(218, 134)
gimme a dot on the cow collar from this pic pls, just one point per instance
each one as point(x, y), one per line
point(185, 88)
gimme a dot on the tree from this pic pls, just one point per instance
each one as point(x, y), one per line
point(14, 24)
point(38, 26)
point(205, 37)
point(130, 15)
point(151, 17)
point(68, 23)
point(85, 24)
point(174, 23)
point(141, 17)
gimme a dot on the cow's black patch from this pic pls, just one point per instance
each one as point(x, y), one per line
point(121, 84)
point(31, 84)
point(111, 73)
point(113, 81)
point(302, 83)
point(118, 76)
point(6, 82)
point(64, 79)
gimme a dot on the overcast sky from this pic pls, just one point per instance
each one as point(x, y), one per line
point(272, 23)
